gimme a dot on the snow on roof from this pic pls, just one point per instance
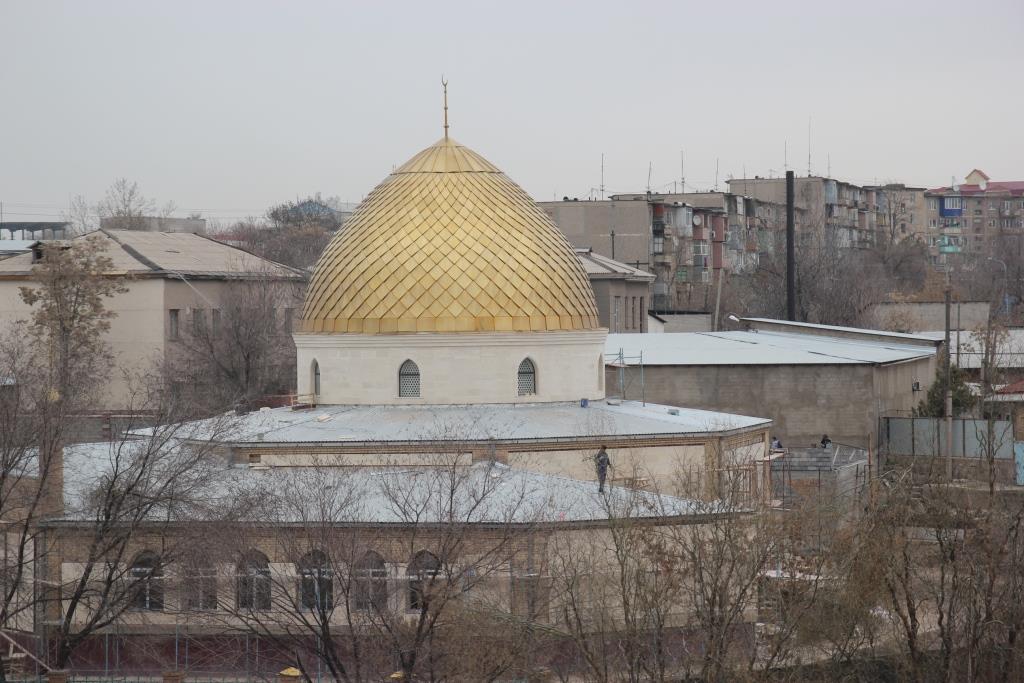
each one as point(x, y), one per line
point(602, 267)
point(482, 493)
point(866, 332)
point(758, 348)
point(485, 422)
point(15, 246)
point(143, 253)
point(966, 348)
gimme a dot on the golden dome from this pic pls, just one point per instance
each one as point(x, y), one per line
point(448, 243)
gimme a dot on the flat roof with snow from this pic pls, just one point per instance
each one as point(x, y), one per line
point(537, 422)
point(759, 348)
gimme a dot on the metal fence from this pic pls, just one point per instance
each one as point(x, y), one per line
point(926, 436)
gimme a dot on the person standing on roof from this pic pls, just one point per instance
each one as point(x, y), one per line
point(825, 441)
point(602, 461)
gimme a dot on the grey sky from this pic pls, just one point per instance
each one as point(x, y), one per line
point(227, 107)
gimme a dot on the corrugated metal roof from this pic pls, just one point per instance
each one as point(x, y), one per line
point(483, 493)
point(598, 266)
point(758, 348)
point(170, 253)
point(432, 423)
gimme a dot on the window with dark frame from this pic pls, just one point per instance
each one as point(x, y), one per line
point(253, 582)
point(200, 587)
point(420, 573)
point(172, 323)
point(316, 582)
point(371, 583)
point(198, 321)
point(147, 589)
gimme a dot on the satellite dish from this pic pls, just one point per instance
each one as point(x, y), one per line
point(696, 220)
point(983, 184)
point(956, 188)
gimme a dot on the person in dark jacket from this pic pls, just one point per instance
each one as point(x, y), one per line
point(602, 461)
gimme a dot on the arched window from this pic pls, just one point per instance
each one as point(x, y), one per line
point(371, 583)
point(527, 378)
point(147, 587)
point(316, 581)
point(409, 380)
point(420, 573)
point(200, 585)
point(253, 583)
point(316, 378)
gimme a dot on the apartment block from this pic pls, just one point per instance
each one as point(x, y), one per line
point(684, 239)
point(841, 213)
point(978, 216)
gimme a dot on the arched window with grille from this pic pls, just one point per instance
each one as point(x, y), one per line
point(316, 581)
point(409, 380)
point(527, 378)
point(371, 583)
point(316, 378)
point(253, 584)
point(147, 587)
point(420, 574)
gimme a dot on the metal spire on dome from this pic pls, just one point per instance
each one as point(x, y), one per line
point(444, 84)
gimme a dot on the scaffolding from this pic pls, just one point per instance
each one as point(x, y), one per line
point(621, 361)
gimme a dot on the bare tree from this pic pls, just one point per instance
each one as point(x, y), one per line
point(80, 215)
point(387, 569)
point(126, 501)
point(69, 314)
point(241, 350)
point(124, 206)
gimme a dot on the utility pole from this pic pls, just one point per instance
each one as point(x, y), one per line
point(790, 249)
point(718, 296)
point(613, 244)
point(602, 175)
point(949, 388)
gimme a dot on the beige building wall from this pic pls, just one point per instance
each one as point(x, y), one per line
point(453, 368)
point(136, 336)
point(650, 466)
point(140, 332)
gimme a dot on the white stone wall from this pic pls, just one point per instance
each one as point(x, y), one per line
point(454, 368)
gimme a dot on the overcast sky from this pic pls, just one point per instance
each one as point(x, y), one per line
point(227, 107)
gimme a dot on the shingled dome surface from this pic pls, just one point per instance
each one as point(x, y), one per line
point(448, 243)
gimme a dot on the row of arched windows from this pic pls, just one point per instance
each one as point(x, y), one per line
point(409, 379)
point(315, 583)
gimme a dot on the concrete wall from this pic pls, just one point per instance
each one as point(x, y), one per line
point(590, 224)
point(687, 322)
point(454, 368)
point(622, 304)
point(918, 317)
point(804, 401)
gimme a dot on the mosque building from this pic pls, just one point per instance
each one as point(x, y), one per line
point(449, 324)
point(452, 300)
